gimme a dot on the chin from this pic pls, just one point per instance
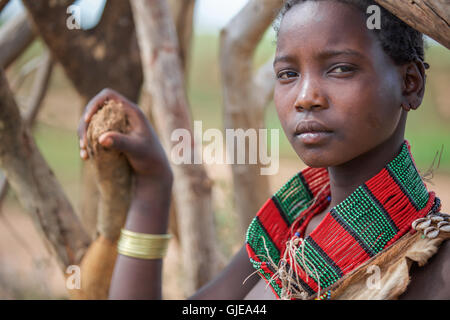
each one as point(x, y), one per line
point(314, 162)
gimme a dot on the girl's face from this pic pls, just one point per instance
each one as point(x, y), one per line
point(331, 69)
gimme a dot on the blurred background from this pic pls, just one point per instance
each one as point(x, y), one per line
point(28, 271)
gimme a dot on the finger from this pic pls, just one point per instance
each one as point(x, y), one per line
point(81, 128)
point(136, 119)
point(83, 154)
point(116, 140)
point(95, 103)
point(91, 108)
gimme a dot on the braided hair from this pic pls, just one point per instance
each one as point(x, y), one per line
point(398, 40)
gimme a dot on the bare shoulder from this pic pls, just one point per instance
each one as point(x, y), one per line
point(431, 281)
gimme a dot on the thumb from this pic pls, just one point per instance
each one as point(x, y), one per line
point(115, 140)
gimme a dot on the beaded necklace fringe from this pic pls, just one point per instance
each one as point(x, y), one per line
point(371, 219)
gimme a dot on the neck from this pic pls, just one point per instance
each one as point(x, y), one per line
point(345, 178)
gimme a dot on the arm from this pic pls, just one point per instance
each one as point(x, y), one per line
point(148, 213)
point(432, 281)
point(139, 278)
point(228, 284)
point(152, 178)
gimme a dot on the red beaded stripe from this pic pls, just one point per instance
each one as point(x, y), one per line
point(316, 178)
point(340, 246)
point(401, 211)
point(264, 268)
point(308, 214)
point(275, 225)
point(408, 219)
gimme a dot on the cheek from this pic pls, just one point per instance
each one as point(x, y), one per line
point(373, 121)
point(282, 105)
point(385, 109)
point(375, 103)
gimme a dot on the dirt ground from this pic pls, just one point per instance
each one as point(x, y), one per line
point(27, 270)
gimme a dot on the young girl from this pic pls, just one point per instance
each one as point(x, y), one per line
point(342, 95)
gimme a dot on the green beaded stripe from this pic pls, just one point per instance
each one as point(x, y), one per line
point(254, 234)
point(267, 276)
point(326, 273)
point(293, 198)
point(403, 168)
point(366, 219)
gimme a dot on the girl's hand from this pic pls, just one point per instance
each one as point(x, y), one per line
point(140, 145)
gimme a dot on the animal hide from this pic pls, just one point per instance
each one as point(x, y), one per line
point(386, 276)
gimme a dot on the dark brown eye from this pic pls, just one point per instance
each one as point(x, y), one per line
point(286, 75)
point(342, 69)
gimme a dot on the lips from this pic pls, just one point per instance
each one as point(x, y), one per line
point(312, 133)
point(310, 127)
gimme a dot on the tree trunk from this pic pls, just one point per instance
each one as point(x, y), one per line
point(246, 96)
point(183, 16)
point(92, 59)
point(192, 188)
point(36, 186)
point(431, 17)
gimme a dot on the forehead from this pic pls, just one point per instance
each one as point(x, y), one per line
point(319, 24)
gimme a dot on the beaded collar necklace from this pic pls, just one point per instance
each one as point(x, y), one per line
point(369, 220)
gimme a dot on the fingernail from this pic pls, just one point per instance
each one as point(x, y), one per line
point(83, 154)
point(82, 146)
point(105, 141)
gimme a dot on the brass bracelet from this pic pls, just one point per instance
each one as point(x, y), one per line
point(143, 245)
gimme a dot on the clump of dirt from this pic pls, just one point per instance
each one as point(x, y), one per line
point(111, 117)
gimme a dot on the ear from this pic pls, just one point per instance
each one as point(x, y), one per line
point(413, 75)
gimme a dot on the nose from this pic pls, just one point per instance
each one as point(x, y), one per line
point(310, 96)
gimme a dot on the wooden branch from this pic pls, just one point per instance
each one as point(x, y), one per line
point(246, 95)
point(39, 88)
point(183, 16)
point(25, 70)
point(3, 187)
point(36, 186)
point(241, 36)
point(38, 91)
point(192, 188)
point(264, 84)
point(431, 17)
point(15, 36)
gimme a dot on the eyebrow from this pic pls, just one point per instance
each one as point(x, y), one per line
point(285, 58)
point(332, 53)
point(323, 55)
